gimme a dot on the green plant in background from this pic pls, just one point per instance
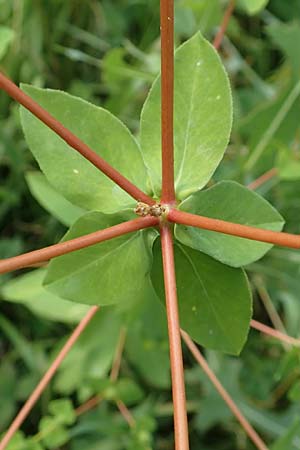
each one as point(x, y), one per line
point(259, 213)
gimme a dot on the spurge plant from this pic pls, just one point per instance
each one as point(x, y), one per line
point(111, 256)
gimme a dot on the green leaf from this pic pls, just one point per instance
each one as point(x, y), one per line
point(100, 338)
point(52, 433)
point(214, 299)
point(28, 290)
point(6, 36)
point(124, 389)
point(288, 440)
point(202, 121)
point(253, 6)
point(63, 411)
point(72, 175)
point(20, 442)
point(111, 272)
point(285, 35)
point(231, 202)
point(51, 200)
point(294, 392)
point(147, 346)
point(128, 391)
point(288, 163)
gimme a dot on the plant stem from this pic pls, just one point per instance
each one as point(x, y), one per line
point(167, 99)
point(263, 178)
point(88, 405)
point(275, 333)
point(23, 413)
point(44, 254)
point(268, 304)
point(7, 85)
point(177, 373)
point(126, 413)
point(223, 27)
point(223, 393)
point(235, 229)
point(118, 355)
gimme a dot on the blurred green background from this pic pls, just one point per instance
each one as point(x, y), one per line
point(108, 52)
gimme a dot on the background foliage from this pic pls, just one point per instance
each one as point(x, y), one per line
point(108, 52)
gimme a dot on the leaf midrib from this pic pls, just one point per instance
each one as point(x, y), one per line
point(188, 128)
point(94, 261)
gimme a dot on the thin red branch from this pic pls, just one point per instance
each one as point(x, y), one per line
point(126, 413)
point(7, 85)
point(115, 370)
point(223, 393)
point(44, 254)
point(23, 413)
point(275, 333)
point(88, 405)
point(235, 229)
point(178, 387)
point(223, 27)
point(167, 99)
point(263, 178)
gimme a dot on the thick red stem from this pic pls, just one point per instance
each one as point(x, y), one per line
point(23, 413)
point(223, 393)
point(235, 229)
point(178, 387)
point(167, 99)
point(44, 254)
point(223, 27)
point(7, 85)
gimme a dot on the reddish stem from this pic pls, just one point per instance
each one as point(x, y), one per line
point(126, 413)
point(263, 178)
point(177, 373)
point(275, 333)
point(223, 393)
point(115, 370)
point(235, 229)
point(7, 85)
point(44, 254)
point(167, 99)
point(23, 413)
point(228, 13)
point(89, 404)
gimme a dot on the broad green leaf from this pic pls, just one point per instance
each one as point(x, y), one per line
point(231, 202)
point(214, 299)
point(147, 346)
point(63, 411)
point(113, 271)
point(202, 121)
point(253, 6)
point(51, 200)
point(6, 36)
point(70, 173)
point(28, 290)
